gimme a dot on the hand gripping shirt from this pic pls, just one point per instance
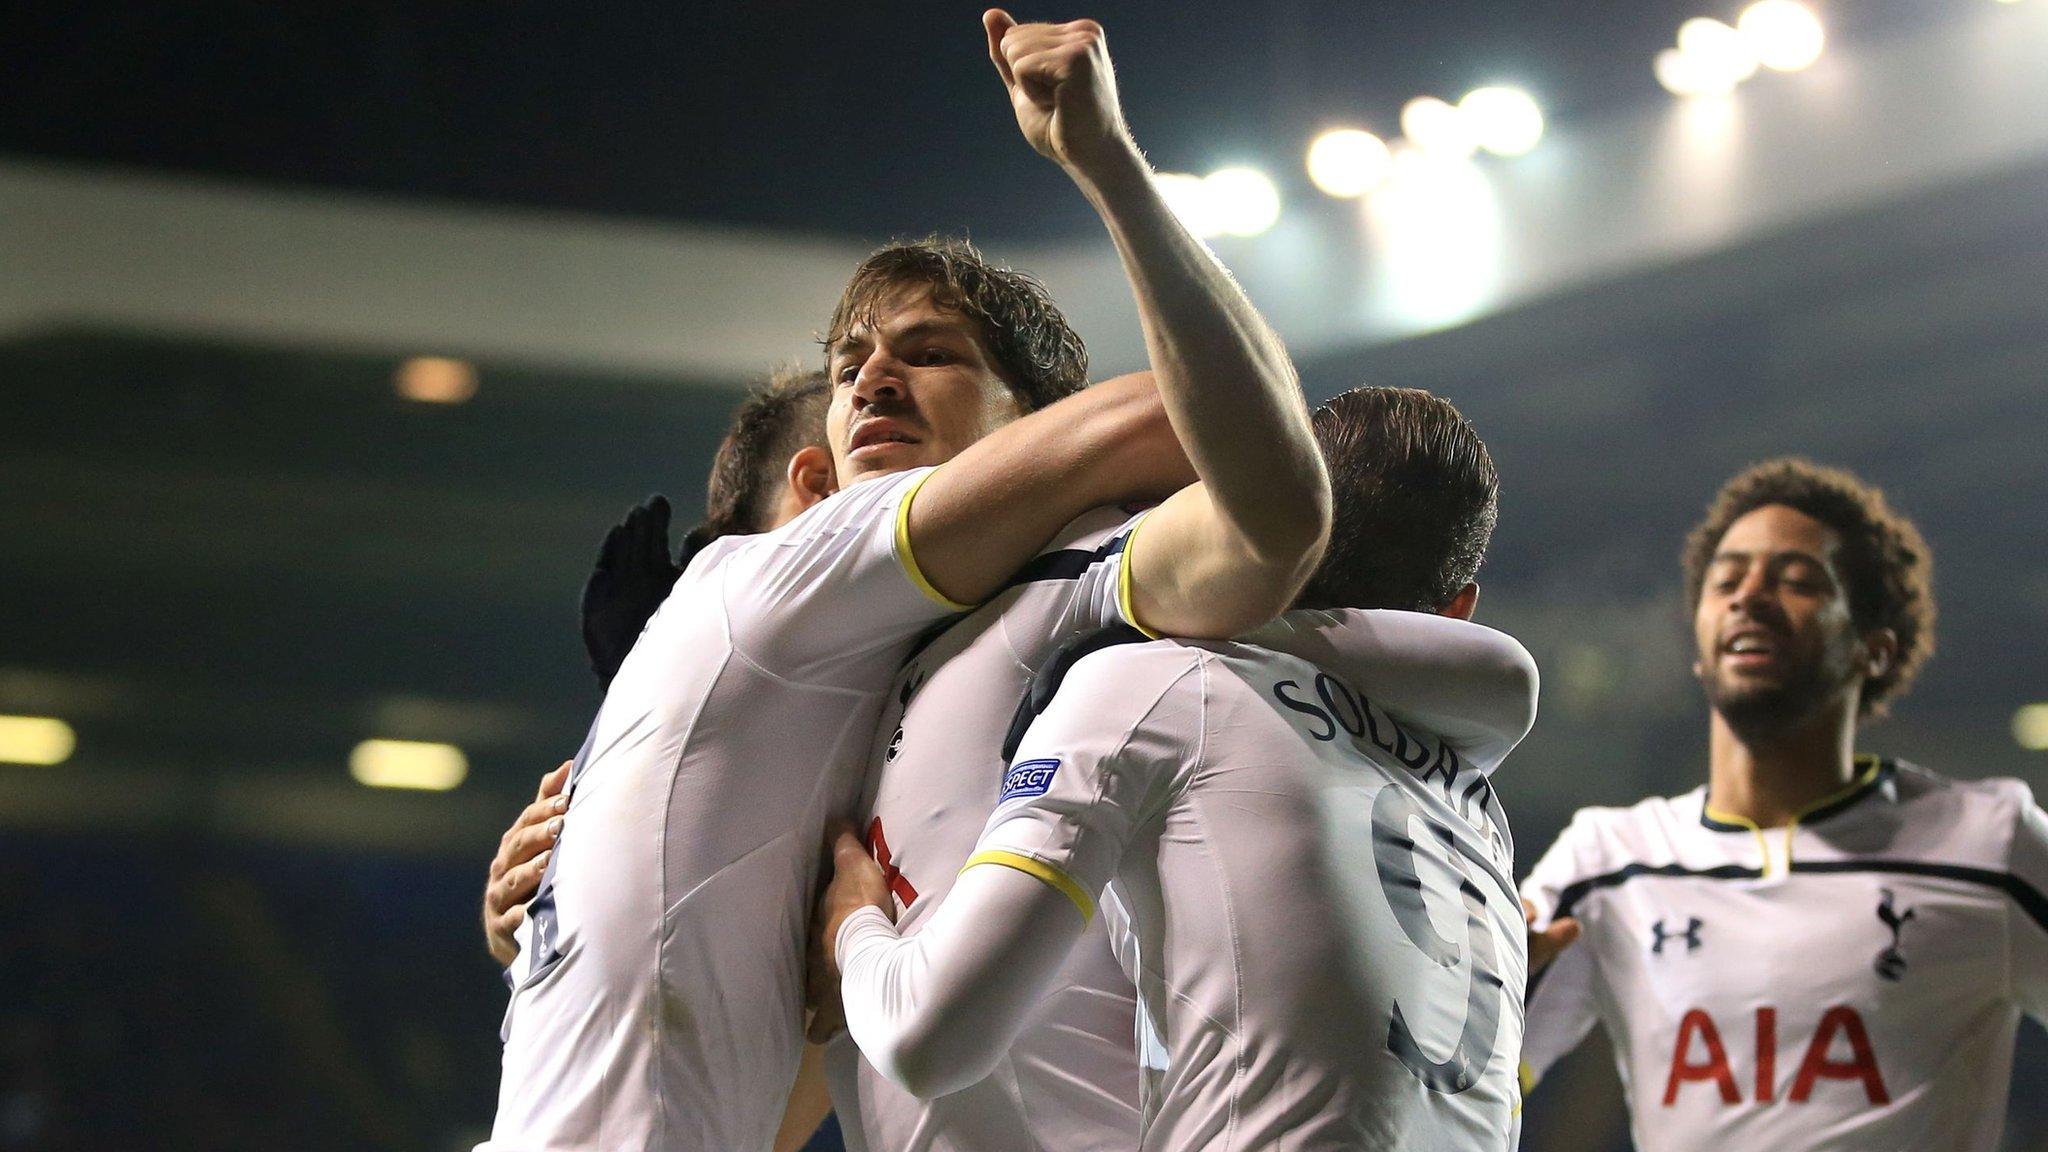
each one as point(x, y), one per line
point(1070, 1083)
point(657, 1002)
point(1851, 981)
point(1307, 872)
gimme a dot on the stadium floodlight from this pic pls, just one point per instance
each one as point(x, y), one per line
point(1245, 200)
point(1718, 48)
point(1682, 75)
point(414, 764)
point(1437, 128)
point(1504, 121)
point(436, 380)
point(38, 740)
point(1785, 35)
point(2030, 727)
point(1191, 201)
point(1347, 162)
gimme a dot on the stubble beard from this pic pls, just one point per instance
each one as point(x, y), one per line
point(1760, 712)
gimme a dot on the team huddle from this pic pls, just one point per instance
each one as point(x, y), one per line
point(1015, 763)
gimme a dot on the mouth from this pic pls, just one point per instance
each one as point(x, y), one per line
point(1751, 648)
point(877, 435)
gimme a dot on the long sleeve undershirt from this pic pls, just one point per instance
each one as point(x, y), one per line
point(936, 1011)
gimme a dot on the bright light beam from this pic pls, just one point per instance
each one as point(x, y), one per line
point(408, 764)
point(1347, 163)
point(1504, 121)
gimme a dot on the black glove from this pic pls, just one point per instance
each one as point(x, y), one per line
point(633, 576)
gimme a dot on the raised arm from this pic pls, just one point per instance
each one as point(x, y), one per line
point(996, 504)
point(1234, 551)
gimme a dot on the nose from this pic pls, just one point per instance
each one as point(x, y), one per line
point(1754, 591)
point(880, 378)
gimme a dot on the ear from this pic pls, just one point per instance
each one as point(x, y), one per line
point(811, 478)
point(1880, 652)
point(1464, 604)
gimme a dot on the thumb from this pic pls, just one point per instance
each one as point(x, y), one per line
point(847, 848)
point(997, 22)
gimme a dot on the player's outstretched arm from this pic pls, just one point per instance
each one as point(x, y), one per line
point(1233, 552)
point(935, 1012)
point(993, 507)
point(516, 870)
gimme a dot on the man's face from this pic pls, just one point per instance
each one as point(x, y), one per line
point(914, 389)
point(1773, 633)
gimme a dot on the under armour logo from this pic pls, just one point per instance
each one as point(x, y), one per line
point(1890, 964)
point(1691, 935)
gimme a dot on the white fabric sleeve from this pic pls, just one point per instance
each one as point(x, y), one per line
point(936, 1011)
point(1103, 593)
point(1103, 758)
point(1562, 1007)
point(834, 584)
point(2027, 911)
point(1472, 686)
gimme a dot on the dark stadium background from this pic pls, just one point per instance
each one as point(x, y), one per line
point(229, 551)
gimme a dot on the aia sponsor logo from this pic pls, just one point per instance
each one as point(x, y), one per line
point(1700, 1056)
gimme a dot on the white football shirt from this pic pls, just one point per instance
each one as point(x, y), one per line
point(1070, 1083)
point(657, 1000)
point(1308, 869)
point(1851, 981)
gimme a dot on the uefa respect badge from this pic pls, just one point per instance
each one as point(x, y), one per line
point(1030, 778)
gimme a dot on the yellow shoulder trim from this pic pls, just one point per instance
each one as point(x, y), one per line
point(909, 559)
point(1124, 603)
point(1042, 871)
point(1868, 768)
point(1527, 1076)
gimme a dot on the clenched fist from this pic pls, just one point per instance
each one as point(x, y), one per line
point(1064, 92)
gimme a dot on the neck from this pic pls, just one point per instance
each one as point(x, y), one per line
point(1770, 779)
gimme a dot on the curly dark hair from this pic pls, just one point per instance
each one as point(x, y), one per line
point(1884, 560)
point(776, 420)
point(1416, 500)
point(1037, 353)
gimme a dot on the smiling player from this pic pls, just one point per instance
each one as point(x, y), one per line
point(1815, 950)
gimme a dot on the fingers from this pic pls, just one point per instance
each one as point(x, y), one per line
point(517, 886)
point(498, 930)
point(610, 552)
point(1544, 946)
point(1562, 933)
point(538, 827)
point(552, 783)
point(998, 24)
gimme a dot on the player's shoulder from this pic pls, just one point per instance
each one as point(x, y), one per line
point(1633, 832)
point(1117, 672)
point(1990, 803)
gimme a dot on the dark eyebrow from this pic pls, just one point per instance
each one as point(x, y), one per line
point(935, 326)
point(843, 344)
point(1787, 554)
